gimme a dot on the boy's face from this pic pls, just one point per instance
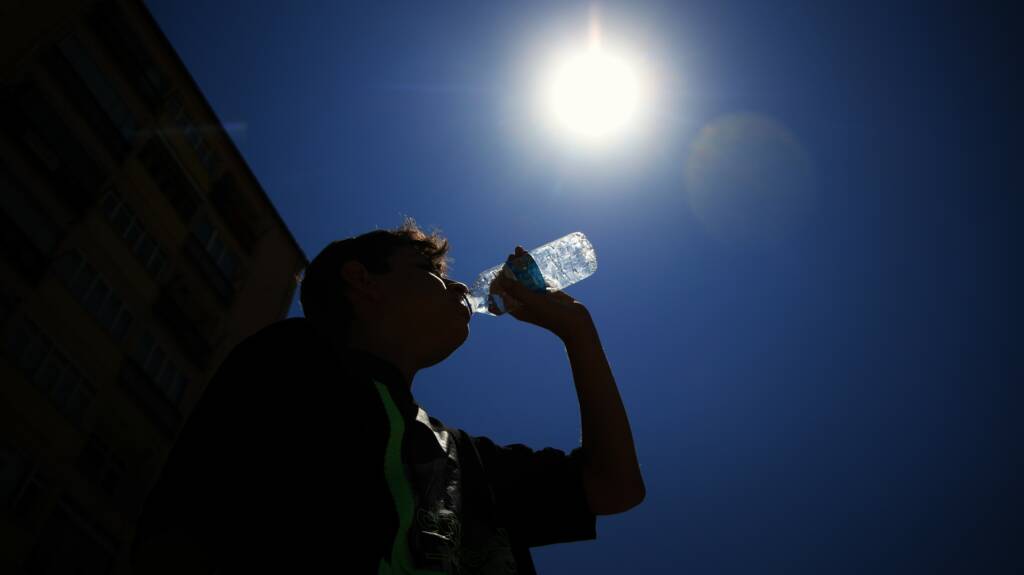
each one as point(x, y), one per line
point(428, 312)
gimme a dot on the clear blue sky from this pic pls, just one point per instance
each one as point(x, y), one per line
point(831, 394)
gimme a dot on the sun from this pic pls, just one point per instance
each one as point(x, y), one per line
point(595, 94)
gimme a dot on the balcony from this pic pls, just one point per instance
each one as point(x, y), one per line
point(137, 384)
point(210, 271)
point(129, 54)
point(19, 250)
point(170, 178)
point(184, 325)
point(242, 219)
point(91, 94)
point(50, 146)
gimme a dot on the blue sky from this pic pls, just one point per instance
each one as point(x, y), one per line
point(803, 284)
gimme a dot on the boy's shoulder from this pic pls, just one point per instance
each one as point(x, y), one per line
point(285, 346)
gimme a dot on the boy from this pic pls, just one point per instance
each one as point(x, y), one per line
point(308, 450)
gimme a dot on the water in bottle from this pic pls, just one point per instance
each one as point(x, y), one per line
point(555, 265)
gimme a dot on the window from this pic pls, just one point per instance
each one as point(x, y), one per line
point(51, 146)
point(194, 137)
point(8, 302)
point(170, 178)
point(36, 225)
point(217, 263)
point(100, 464)
point(84, 86)
point(129, 54)
point(13, 471)
point(49, 370)
point(27, 235)
point(28, 502)
point(95, 295)
point(95, 81)
point(240, 215)
point(21, 488)
point(188, 319)
point(154, 362)
point(72, 543)
point(149, 398)
point(221, 254)
point(127, 225)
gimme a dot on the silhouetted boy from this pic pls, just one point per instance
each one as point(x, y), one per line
point(308, 452)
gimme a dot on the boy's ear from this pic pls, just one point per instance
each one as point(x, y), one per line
point(360, 282)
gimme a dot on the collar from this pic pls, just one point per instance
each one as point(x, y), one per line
point(381, 370)
point(304, 335)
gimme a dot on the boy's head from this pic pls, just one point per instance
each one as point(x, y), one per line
point(387, 289)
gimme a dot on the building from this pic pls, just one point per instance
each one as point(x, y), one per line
point(137, 249)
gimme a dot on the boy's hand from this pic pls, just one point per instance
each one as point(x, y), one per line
point(555, 311)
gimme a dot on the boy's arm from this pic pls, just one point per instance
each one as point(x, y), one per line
point(611, 475)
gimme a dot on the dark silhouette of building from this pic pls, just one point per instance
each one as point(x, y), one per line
point(137, 249)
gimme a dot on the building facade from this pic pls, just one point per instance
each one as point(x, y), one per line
point(138, 248)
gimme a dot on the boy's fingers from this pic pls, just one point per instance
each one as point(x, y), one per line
point(508, 284)
point(516, 289)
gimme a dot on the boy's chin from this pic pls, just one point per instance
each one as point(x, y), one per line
point(450, 349)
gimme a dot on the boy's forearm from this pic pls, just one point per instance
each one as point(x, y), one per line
point(612, 472)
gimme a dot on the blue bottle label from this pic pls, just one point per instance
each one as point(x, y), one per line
point(524, 269)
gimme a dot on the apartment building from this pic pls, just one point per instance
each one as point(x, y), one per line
point(138, 248)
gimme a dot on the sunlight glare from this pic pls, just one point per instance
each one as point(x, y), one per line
point(594, 94)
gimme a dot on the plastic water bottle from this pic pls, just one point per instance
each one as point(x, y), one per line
point(556, 265)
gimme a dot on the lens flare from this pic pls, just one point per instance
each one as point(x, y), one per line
point(749, 179)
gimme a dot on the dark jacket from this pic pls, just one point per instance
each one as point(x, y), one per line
point(298, 457)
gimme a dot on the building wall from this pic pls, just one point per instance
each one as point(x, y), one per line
point(137, 250)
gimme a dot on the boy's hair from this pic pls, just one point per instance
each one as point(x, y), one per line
point(322, 289)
